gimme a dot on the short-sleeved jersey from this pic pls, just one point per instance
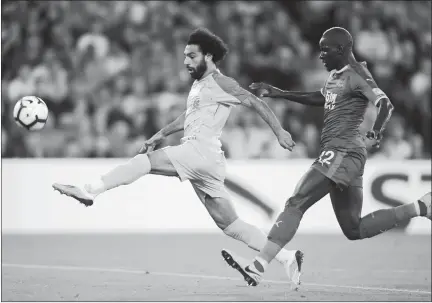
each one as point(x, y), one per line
point(347, 93)
point(209, 105)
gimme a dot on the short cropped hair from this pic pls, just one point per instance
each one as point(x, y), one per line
point(209, 43)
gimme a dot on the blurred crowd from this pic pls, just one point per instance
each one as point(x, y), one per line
point(112, 72)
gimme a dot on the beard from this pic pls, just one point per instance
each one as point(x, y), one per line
point(199, 70)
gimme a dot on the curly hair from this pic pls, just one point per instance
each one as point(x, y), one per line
point(209, 43)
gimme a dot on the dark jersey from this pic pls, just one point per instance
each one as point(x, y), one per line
point(347, 93)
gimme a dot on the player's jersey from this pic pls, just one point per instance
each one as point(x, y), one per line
point(209, 104)
point(347, 93)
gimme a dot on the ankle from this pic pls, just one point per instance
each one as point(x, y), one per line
point(285, 256)
point(96, 187)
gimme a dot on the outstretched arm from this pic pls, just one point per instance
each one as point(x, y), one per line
point(270, 118)
point(307, 98)
point(265, 112)
point(235, 94)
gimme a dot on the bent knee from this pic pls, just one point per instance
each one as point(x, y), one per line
point(298, 202)
point(221, 210)
point(221, 224)
point(352, 234)
point(223, 221)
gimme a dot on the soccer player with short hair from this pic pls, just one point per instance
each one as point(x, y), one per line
point(199, 157)
point(339, 168)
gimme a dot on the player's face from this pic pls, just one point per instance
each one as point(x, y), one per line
point(330, 54)
point(195, 61)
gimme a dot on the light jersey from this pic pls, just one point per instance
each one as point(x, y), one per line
point(347, 93)
point(209, 105)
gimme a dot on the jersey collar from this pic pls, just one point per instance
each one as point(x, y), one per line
point(342, 69)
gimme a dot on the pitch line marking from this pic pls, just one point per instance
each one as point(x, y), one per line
point(210, 277)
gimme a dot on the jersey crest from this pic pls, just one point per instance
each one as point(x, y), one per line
point(340, 83)
point(193, 101)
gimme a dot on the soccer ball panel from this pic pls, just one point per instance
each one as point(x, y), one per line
point(38, 126)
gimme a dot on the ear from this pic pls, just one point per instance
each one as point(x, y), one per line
point(208, 57)
point(340, 49)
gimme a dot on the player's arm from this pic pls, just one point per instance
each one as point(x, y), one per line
point(308, 98)
point(385, 109)
point(173, 127)
point(369, 89)
point(270, 118)
point(239, 95)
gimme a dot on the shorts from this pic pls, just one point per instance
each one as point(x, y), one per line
point(344, 167)
point(202, 164)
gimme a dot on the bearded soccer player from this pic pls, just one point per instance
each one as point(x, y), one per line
point(339, 168)
point(199, 158)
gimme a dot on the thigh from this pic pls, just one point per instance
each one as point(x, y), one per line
point(311, 188)
point(193, 161)
point(181, 160)
point(347, 205)
point(220, 209)
point(161, 164)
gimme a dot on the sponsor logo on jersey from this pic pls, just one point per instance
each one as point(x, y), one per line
point(330, 100)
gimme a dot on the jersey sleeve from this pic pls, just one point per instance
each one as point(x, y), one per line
point(363, 83)
point(231, 92)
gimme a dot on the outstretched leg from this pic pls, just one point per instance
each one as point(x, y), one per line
point(156, 162)
point(347, 205)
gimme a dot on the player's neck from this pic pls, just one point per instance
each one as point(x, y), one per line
point(342, 64)
point(352, 59)
point(209, 71)
point(347, 60)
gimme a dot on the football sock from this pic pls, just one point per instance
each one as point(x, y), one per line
point(254, 238)
point(123, 174)
point(281, 233)
point(269, 252)
point(385, 219)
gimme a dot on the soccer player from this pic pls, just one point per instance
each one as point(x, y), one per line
point(339, 168)
point(199, 158)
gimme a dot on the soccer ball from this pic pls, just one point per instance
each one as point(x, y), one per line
point(31, 113)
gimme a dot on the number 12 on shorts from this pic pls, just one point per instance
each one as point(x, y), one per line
point(325, 157)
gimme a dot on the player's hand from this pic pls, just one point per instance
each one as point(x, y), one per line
point(375, 136)
point(264, 89)
point(150, 144)
point(285, 140)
